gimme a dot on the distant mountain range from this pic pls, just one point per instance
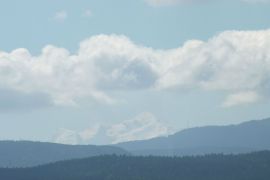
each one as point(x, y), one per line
point(246, 137)
point(254, 166)
point(25, 154)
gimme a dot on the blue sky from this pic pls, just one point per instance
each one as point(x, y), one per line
point(130, 70)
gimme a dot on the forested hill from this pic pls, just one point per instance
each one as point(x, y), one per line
point(26, 153)
point(254, 166)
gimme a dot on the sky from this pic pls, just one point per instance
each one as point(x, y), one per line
point(103, 72)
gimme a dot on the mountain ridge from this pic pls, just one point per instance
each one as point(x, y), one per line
point(244, 137)
point(28, 153)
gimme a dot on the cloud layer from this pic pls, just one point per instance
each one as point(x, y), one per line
point(233, 61)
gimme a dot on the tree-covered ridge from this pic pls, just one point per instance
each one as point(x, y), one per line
point(253, 166)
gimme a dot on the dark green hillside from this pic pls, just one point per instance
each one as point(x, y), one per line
point(254, 166)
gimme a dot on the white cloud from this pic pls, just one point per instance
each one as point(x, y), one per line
point(233, 61)
point(241, 98)
point(102, 63)
point(143, 126)
point(61, 15)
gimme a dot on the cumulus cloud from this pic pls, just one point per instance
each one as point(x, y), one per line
point(55, 72)
point(233, 61)
point(103, 62)
point(143, 126)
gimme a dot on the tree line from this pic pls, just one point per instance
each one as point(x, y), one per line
point(121, 167)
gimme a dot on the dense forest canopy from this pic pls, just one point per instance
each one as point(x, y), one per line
point(253, 166)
